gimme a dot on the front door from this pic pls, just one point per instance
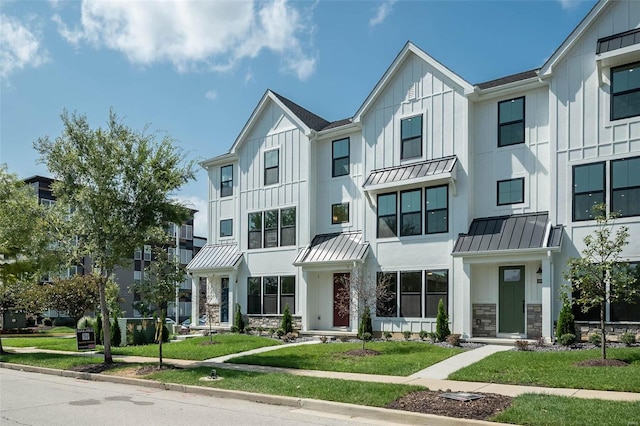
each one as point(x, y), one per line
point(224, 300)
point(339, 281)
point(511, 299)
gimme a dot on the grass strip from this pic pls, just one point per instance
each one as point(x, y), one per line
point(395, 358)
point(47, 360)
point(556, 369)
point(52, 343)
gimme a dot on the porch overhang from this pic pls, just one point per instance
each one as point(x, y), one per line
point(215, 258)
point(327, 250)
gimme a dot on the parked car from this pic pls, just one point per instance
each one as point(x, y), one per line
point(169, 321)
point(186, 324)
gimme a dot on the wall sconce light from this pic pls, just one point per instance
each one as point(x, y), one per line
point(539, 271)
point(539, 275)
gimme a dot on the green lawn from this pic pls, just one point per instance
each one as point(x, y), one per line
point(53, 343)
point(193, 349)
point(556, 369)
point(48, 360)
point(395, 359)
point(58, 330)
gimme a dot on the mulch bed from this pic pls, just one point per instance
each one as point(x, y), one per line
point(361, 352)
point(430, 402)
point(93, 368)
point(602, 363)
point(148, 369)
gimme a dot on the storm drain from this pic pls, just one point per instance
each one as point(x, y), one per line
point(461, 396)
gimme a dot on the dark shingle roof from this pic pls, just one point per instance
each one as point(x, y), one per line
point(411, 171)
point(618, 41)
point(338, 123)
point(517, 232)
point(312, 120)
point(508, 79)
point(215, 256)
point(338, 247)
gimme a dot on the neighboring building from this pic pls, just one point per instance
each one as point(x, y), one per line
point(188, 245)
point(474, 194)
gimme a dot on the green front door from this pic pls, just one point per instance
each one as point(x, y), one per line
point(511, 299)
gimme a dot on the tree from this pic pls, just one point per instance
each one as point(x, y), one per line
point(442, 322)
point(75, 295)
point(158, 288)
point(600, 275)
point(118, 181)
point(566, 320)
point(287, 320)
point(358, 293)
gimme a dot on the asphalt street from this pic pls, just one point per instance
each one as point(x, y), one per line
point(39, 399)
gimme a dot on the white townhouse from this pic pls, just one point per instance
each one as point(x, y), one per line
point(476, 194)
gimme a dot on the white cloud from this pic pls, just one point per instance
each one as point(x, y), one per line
point(382, 11)
point(196, 35)
point(21, 46)
point(211, 95)
point(200, 223)
point(568, 4)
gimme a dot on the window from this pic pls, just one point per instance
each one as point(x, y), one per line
point(272, 167)
point(288, 293)
point(437, 210)
point(185, 256)
point(186, 232)
point(510, 191)
point(411, 212)
point(411, 137)
point(387, 215)
point(339, 213)
point(271, 228)
point(270, 295)
point(588, 189)
point(410, 294)
point(388, 307)
point(137, 277)
point(340, 157)
point(437, 283)
point(226, 228)
point(226, 181)
point(625, 186)
point(137, 254)
point(288, 227)
point(627, 311)
point(276, 223)
point(625, 91)
point(147, 253)
point(255, 230)
point(46, 202)
point(511, 122)
point(171, 253)
point(254, 296)
point(270, 301)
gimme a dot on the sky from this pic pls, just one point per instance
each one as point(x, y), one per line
point(197, 69)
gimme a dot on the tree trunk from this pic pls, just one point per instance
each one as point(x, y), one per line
point(160, 333)
point(603, 343)
point(106, 323)
point(2, 351)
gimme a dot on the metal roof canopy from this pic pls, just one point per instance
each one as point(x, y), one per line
point(216, 257)
point(333, 248)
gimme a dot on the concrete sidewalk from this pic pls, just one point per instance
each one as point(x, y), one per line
point(442, 369)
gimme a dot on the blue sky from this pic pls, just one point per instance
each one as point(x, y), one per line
point(196, 69)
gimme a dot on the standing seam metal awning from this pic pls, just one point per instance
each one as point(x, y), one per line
point(411, 173)
point(338, 247)
point(215, 257)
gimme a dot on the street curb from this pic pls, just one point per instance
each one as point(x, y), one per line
point(340, 408)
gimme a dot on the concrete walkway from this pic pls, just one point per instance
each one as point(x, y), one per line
point(225, 358)
point(442, 369)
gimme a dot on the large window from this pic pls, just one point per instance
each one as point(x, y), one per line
point(387, 215)
point(625, 91)
point(411, 137)
point(226, 181)
point(511, 122)
point(340, 157)
point(411, 212)
point(339, 213)
point(510, 191)
point(272, 228)
point(389, 306)
point(625, 186)
point(272, 167)
point(588, 189)
point(419, 293)
point(411, 294)
point(270, 295)
point(437, 210)
point(226, 228)
point(437, 283)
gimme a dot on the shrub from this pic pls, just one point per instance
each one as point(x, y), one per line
point(540, 342)
point(442, 322)
point(628, 338)
point(31, 321)
point(406, 334)
point(289, 337)
point(365, 323)
point(287, 320)
point(238, 321)
point(433, 336)
point(387, 335)
point(116, 335)
point(280, 332)
point(97, 328)
point(566, 320)
point(522, 345)
point(86, 322)
point(260, 330)
point(47, 322)
point(64, 322)
point(423, 334)
point(453, 339)
point(234, 329)
point(165, 333)
point(344, 338)
point(595, 339)
point(366, 336)
point(138, 336)
point(567, 339)
point(272, 331)
point(324, 339)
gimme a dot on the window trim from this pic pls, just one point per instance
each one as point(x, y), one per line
point(222, 182)
point(625, 92)
point(573, 188)
point(333, 215)
point(521, 179)
point(220, 229)
point(266, 169)
point(625, 188)
point(401, 214)
point(334, 158)
point(427, 210)
point(524, 109)
point(403, 140)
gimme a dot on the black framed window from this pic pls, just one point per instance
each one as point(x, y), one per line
point(254, 296)
point(226, 181)
point(625, 186)
point(411, 294)
point(288, 226)
point(625, 91)
point(226, 227)
point(387, 215)
point(411, 137)
point(339, 213)
point(627, 311)
point(510, 191)
point(588, 189)
point(437, 209)
point(271, 228)
point(288, 293)
point(511, 122)
point(437, 287)
point(411, 212)
point(255, 230)
point(270, 299)
point(272, 167)
point(388, 306)
point(340, 157)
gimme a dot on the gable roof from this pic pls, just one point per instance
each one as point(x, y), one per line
point(312, 120)
point(508, 79)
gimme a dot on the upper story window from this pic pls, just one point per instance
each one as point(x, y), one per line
point(437, 210)
point(186, 232)
point(288, 226)
point(147, 253)
point(340, 157)
point(266, 227)
point(588, 189)
point(625, 186)
point(255, 230)
point(510, 191)
point(411, 138)
point(411, 212)
point(387, 215)
point(226, 181)
point(137, 254)
point(339, 213)
point(271, 228)
point(272, 167)
point(511, 122)
point(625, 91)
point(226, 228)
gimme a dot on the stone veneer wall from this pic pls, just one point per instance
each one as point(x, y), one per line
point(534, 321)
point(485, 314)
point(585, 328)
point(271, 321)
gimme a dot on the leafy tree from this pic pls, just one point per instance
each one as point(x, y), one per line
point(442, 323)
point(118, 181)
point(75, 295)
point(566, 320)
point(600, 275)
point(238, 320)
point(158, 288)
